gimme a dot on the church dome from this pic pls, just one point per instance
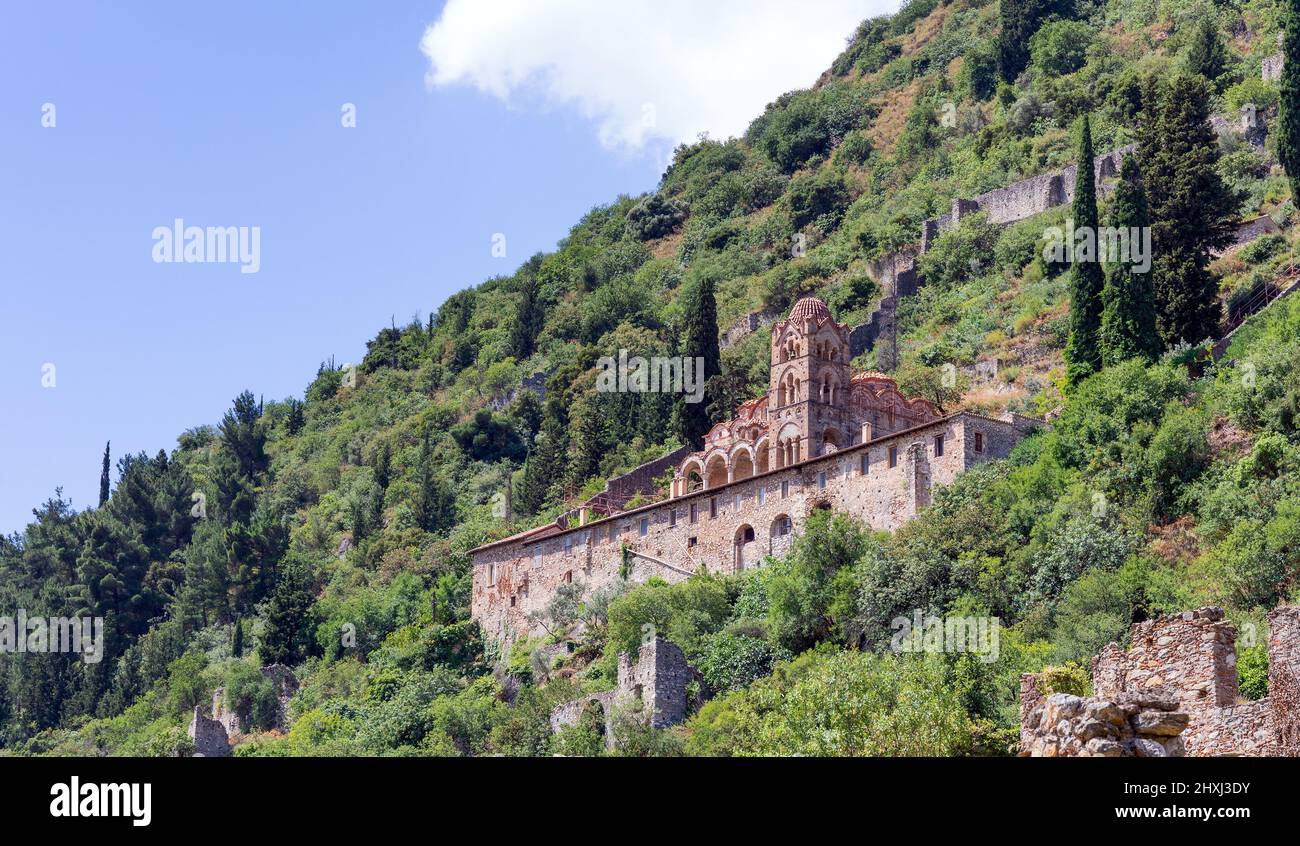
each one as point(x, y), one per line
point(810, 307)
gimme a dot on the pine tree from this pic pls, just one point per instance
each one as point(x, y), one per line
point(1192, 210)
point(1288, 141)
point(1207, 55)
point(103, 477)
point(700, 341)
point(1128, 318)
point(1083, 350)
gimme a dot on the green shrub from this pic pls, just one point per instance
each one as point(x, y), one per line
point(655, 217)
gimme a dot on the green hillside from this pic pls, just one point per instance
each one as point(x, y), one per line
point(331, 533)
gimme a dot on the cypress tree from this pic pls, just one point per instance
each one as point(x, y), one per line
point(103, 476)
point(1083, 350)
point(1288, 141)
point(1128, 317)
point(288, 621)
point(1192, 210)
point(1208, 55)
point(700, 342)
point(529, 317)
point(435, 505)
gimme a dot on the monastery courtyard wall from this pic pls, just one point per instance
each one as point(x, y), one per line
point(732, 526)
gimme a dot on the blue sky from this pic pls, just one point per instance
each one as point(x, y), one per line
point(496, 120)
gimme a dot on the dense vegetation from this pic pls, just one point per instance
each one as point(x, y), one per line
point(331, 532)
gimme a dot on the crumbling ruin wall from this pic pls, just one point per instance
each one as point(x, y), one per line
point(209, 736)
point(1284, 679)
point(1026, 198)
point(1136, 725)
point(656, 685)
point(1191, 659)
point(285, 684)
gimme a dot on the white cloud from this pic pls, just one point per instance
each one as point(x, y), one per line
point(643, 69)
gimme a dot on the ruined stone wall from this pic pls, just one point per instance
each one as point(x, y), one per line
point(746, 325)
point(656, 684)
point(659, 679)
point(1062, 725)
point(1191, 658)
point(209, 736)
point(1026, 198)
point(516, 578)
point(1284, 679)
point(1272, 67)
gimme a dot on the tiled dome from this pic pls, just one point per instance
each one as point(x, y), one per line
point(809, 307)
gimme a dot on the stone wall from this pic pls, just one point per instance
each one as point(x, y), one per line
point(732, 526)
point(746, 325)
point(637, 482)
point(655, 685)
point(1272, 67)
point(1133, 726)
point(1284, 679)
point(209, 736)
point(658, 679)
point(285, 684)
point(1026, 198)
point(1191, 659)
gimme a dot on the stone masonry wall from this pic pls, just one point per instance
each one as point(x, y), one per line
point(656, 683)
point(209, 736)
point(1284, 679)
point(1134, 726)
point(674, 538)
point(1191, 659)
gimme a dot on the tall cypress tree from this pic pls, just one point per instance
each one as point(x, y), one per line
point(1128, 316)
point(529, 317)
point(1288, 141)
point(1207, 55)
point(1083, 350)
point(435, 505)
point(700, 341)
point(1192, 210)
point(103, 476)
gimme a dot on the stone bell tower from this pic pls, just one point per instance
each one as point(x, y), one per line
point(808, 404)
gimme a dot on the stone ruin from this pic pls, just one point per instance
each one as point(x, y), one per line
point(656, 685)
point(1068, 726)
point(211, 735)
point(1190, 660)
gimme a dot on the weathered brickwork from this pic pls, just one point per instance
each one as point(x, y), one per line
point(1191, 659)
